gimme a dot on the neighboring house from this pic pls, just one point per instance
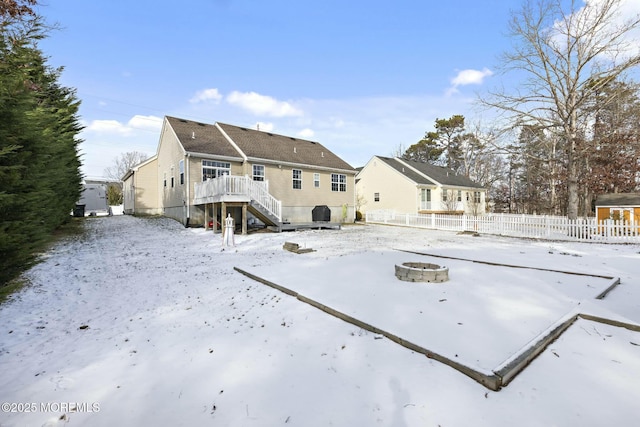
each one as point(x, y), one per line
point(408, 186)
point(140, 189)
point(202, 172)
point(618, 206)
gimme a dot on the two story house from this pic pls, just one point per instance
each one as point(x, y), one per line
point(203, 172)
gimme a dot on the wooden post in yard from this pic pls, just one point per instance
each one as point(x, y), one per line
point(244, 218)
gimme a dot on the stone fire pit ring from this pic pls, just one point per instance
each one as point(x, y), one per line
point(422, 272)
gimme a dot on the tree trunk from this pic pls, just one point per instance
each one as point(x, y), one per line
point(572, 184)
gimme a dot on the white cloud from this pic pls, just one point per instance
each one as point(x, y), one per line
point(262, 104)
point(628, 10)
point(151, 123)
point(211, 94)
point(306, 133)
point(470, 77)
point(114, 127)
point(108, 126)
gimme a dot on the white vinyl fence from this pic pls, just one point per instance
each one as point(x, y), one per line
point(529, 226)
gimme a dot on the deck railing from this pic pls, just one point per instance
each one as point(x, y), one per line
point(236, 185)
point(529, 226)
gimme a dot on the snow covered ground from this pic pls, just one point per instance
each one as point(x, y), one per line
point(144, 322)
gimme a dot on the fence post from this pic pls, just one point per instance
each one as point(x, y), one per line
point(547, 224)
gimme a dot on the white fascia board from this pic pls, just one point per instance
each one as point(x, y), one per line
point(436, 183)
point(382, 162)
point(184, 152)
point(207, 156)
point(301, 165)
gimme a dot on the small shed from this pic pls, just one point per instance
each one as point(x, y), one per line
point(93, 200)
point(618, 206)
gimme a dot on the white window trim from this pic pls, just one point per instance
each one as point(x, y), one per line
point(253, 173)
point(294, 179)
point(340, 182)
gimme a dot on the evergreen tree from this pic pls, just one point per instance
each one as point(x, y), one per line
point(40, 179)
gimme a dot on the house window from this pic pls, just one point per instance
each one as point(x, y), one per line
point(338, 182)
point(468, 198)
point(164, 180)
point(173, 180)
point(459, 195)
point(425, 199)
point(476, 197)
point(212, 169)
point(376, 197)
point(181, 166)
point(297, 179)
point(258, 172)
point(444, 195)
point(316, 180)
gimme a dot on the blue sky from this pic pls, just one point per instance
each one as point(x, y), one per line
point(361, 77)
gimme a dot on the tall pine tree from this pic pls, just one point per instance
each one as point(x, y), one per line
point(40, 178)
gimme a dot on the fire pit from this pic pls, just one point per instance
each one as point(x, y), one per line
point(422, 272)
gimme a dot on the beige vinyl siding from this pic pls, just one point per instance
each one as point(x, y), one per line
point(169, 155)
point(146, 189)
point(297, 205)
point(195, 171)
point(396, 191)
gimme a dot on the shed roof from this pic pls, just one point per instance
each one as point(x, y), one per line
point(618, 199)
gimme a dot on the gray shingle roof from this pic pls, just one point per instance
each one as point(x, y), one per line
point(439, 174)
point(409, 173)
point(205, 138)
point(270, 146)
point(618, 199)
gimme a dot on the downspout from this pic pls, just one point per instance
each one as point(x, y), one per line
point(187, 181)
point(355, 199)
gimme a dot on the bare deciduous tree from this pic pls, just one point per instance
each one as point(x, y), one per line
point(566, 56)
point(123, 163)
